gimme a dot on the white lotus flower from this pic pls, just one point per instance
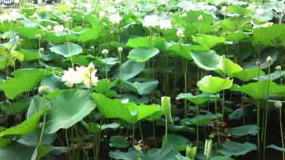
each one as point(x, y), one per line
point(115, 18)
point(165, 24)
point(151, 21)
point(58, 28)
point(180, 32)
point(70, 77)
point(85, 75)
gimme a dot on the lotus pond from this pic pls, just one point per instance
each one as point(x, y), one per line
point(142, 80)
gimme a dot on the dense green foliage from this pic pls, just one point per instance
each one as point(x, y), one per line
point(141, 80)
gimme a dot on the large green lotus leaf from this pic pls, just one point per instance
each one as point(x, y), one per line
point(210, 84)
point(273, 76)
point(37, 104)
point(228, 67)
point(167, 152)
point(142, 88)
point(201, 120)
point(56, 38)
point(119, 142)
point(248, 74)
point(90, 34)
point(129, 69)
point(146, 42)
point(275, 147)
point(16, 151)
point(197, 25)
point(24, 80)
point(15, 108)
point(207, 60)
point(236, 149)
point(235, 36)
point(30, 55)
point(142, 54)
point(208, 41)
point(118, 155)
point(196, 99)
point(244, 130)
point(235, 23)
point(67, 49)
point(29, 32)
point(130, 112)
point(220, 158)
point(67, 108)
point(270, 36)
point(237, 10)
point(26, 127)
point(261, 89)
point(104, 86)
point(182, 50)
point(177, 141)
point(237, 114)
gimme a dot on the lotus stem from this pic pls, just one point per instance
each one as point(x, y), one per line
point(281, 132)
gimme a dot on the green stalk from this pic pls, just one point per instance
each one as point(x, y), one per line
point(133, 141)
point(258, 113)
point(216, 111)
point(41, 135)
point(197, 128)
point(185, 85)
point(140, 129)
point(266, 116)
point(281, 132)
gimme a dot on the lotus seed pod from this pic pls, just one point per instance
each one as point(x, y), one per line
point(44, 90)
point(41, 50)
point(105, 52)
point(278, 104)
point(120, 49)
point(269, 60)
point(278, 68)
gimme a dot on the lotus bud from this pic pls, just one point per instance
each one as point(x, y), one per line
point(38, 36)
point(208, 148)
point(200, 18)
point(269, 60)
point(44, 90)
point(180, 32)
point(120, 49)
point(105, 52)
point(191, 152)
point(166, 108)
point(278, 68)
point(257, 63)
point(41, 50)
point(278, 104)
